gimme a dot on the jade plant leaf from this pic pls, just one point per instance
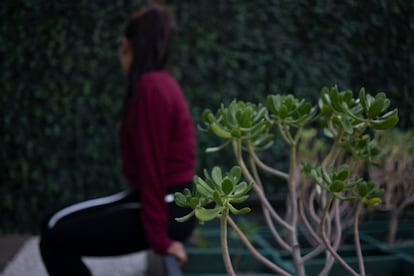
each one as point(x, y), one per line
point(204, 214)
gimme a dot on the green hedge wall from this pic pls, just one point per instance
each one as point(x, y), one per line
point(61, 87)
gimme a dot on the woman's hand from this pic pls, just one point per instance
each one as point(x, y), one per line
point(177, 250)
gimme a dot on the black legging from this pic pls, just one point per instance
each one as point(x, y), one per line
point(106, 226)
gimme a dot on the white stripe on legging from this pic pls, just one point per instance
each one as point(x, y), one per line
point(93, 203)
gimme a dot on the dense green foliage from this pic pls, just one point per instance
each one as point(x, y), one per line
point(61, 88)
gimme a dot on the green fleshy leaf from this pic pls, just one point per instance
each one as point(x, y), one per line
point(227, 186)
point(180, 199)
point(362, 189)
point(186, 217)
point(239, 199)
point(363, 99)
point(217, 198)
point(216, 175)
point(236, 211)
point(343, 173)
point(373, 201)
point(337, 186)
point(207, 214)
point(235, 173)
point(376, 106)
point(389, 120)
point(193, 202)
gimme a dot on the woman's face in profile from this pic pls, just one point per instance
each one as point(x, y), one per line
point(125, 55)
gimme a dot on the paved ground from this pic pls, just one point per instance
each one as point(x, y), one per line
point(21, 258)
point(9, 246)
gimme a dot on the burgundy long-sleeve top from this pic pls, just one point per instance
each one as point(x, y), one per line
point(157, 146)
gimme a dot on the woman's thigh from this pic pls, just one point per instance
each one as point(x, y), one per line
point(180, 231)
point(108, 226)
point(102, 230)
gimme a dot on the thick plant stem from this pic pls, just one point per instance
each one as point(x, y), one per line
point(357, 242)
point(293, 181)
point(393, 226)
point(266, 213)
point(327, 242)
point(258, 190)
point(274, 231)
point(255, 253)
point(313, 236)
point(336, 237)
point(332, 155)
point(266, 168)
point(224, 246)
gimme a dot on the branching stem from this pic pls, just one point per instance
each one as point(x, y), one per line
point(257, 189)
point(255, 253)
point(357, 241)
point(326, 240)
point(224, 246)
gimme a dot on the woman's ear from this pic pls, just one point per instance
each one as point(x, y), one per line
point(125, 54)
point(125, 46)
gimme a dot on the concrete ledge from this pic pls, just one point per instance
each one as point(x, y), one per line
point(9, 246)
point(159, 265)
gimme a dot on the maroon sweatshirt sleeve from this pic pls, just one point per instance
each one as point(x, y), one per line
point(153, 114)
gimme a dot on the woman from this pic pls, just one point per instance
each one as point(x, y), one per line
point(157, 146)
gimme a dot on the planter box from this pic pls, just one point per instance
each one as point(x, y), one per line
point(379, 259)
point(205, 256)
point(209, 261)
point(376, 234)
point(378, 265)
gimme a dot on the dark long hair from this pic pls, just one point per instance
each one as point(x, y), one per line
point(150, 32)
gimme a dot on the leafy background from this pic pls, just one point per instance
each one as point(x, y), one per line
point(61, 88)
